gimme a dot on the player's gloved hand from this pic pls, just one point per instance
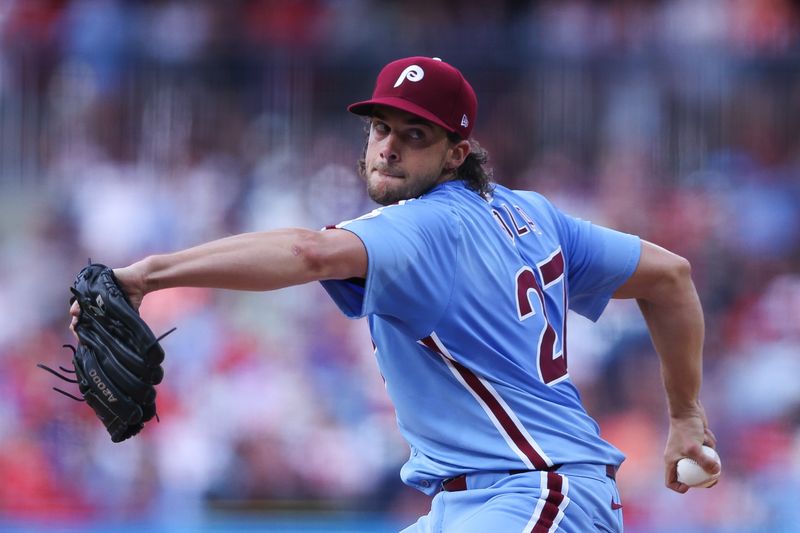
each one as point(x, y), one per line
point(117, 362)
point(130, 279)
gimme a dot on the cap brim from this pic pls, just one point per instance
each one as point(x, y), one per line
point(365, 109)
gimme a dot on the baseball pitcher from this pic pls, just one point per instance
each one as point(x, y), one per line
point(466, 286)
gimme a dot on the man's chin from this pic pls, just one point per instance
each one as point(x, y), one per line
point(382, 192)
point(382, 196)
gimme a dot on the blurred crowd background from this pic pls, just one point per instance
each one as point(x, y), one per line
point(136, 127)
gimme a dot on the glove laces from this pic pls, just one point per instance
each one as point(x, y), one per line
point(62, 376)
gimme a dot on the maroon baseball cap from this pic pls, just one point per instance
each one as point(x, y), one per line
point(426, 87)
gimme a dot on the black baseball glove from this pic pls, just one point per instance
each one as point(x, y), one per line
point(117, 362)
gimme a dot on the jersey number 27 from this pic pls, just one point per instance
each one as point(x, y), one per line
point(551, 362)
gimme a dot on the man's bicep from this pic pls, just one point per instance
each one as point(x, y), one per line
point(346, 254)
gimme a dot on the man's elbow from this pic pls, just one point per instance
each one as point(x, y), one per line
point(309, 248)
point(674, 281)
point(678, 270)
point(661, 276)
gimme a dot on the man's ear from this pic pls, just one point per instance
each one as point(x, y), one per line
point(457, 154)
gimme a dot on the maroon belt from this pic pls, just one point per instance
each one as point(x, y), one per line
point(458, 483)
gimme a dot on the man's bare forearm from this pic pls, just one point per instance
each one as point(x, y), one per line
point(254, 261)
point(677, 329)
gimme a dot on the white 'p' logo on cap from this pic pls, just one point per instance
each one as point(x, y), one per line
point(410, 73)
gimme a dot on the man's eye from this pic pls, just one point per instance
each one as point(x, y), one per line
point(417, 135)
point(380, 127)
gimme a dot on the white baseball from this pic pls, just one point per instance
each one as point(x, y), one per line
point(692, 474)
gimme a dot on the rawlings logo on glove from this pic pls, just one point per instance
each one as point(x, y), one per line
point(117, 362)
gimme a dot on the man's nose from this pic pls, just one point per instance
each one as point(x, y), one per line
point(390, 149)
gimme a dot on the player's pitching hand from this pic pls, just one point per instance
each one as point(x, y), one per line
point(687, 435)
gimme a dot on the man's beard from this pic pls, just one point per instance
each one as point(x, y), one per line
point(399, 189)
point(391, 195)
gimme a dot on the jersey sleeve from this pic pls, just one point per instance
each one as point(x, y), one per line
point(599, 261)
point(412, 251)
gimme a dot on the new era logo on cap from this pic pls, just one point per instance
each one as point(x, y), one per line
point(426, 87)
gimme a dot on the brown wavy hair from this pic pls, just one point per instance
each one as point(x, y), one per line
point(475, 170)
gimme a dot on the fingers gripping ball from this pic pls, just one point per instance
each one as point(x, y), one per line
point(692, 474)
point(117, 362)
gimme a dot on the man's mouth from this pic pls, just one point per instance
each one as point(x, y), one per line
point(389, 173)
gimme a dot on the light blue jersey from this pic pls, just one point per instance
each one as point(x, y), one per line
point(467, 302)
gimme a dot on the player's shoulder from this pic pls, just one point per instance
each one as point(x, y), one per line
point(532, 200)
point(442, 201)
point(422, 211)
point(462, 200)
